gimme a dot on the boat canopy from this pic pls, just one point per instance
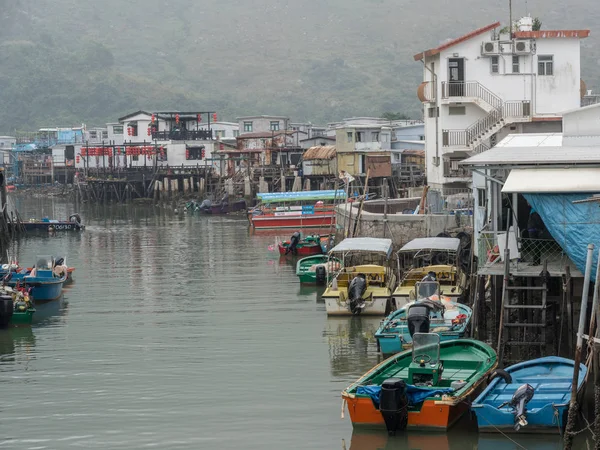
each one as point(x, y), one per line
point(432, 243)
point(364, 244)
point(278, 197)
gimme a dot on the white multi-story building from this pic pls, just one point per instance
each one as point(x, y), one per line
point(482, 86)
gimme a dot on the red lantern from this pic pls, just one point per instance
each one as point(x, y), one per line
point(187, 154)
point(214, 117)
point(149, 131)
point(203, 153)
point(199, 117)
point(176, 118)
point(77, 159)
point(153, 117)
point(129, 131)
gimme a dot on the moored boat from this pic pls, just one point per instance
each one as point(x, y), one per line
point(532, 396)
point(305, 209)
point(45, 283)
point(45, 224)
point(428, 387)
point(314, 269)
point(360, 287)
point(436, 314)
point(23, 308)
point(437, 256)
point(299, 245)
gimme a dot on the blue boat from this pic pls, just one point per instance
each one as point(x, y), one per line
point(45, 284)
point(46, 224)
point(446, 318)
point(532, 396)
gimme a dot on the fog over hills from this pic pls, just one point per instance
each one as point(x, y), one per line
point(64, 62)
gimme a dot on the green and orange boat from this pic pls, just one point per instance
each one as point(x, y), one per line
point(427, 388)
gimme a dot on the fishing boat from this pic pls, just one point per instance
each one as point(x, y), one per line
point(46, 224)
point(532, 396)
point(23, 308)
point(46, 280)
point(299, 245)
point(18, 272)
point(424, 256)
point(438, 314)
point(359, 286)
point(306, 209)
point(428, 387)
point(314, 269)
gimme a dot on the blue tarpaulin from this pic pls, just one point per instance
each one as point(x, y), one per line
point(573, 226)
point(415, 394)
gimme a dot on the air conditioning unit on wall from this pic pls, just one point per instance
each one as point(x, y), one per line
point(522, 47)
point(490, 48)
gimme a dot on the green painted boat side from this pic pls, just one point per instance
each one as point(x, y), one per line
point(465, 360)
point(22, 317)
point(305, 268)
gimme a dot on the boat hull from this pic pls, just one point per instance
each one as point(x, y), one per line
point(52, 226)
point(219, 208)
point(303, 249)
point(22, 317)
point(377, 306)
point(317, 220)
point(43, 290)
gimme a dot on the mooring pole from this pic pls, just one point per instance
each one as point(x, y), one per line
point(573, 407)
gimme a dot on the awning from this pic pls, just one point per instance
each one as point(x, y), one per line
point(547, 181)
point(432, 243)
point(364, 244)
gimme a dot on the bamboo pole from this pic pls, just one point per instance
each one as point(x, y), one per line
point(362, 201)
point(573, 406)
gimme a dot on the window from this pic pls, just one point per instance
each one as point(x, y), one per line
point(349, 136)
point(247, 127)
point(118, 129)
point(421, 138)
point(457, 110)
point(360, 136)
point(69, 152)
point(515, 63)
point(93, 134)
point(220, 133)
point(375, 136)
point(397, 156)
point(432, 112)
point(194, 153)
point(135, 157)
point(274, 125)
point(495, 66)
point(105, 135)
point(236, 133)
point(545, 65)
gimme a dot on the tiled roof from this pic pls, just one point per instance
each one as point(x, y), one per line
point(466, 37)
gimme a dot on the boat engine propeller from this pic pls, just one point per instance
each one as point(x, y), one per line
point(294, 240)
point(393, 405)
point(519, 401)
point(356, 289)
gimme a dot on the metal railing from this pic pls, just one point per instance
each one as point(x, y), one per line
point(480, 148)
point(482, 126)
point(470, 89)
point(454, 138)
point(183, 135)
point(456, 172)
point(517, 109)
point(531, 251)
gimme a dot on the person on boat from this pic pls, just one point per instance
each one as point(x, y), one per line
point(293, 247)
point(428, 285)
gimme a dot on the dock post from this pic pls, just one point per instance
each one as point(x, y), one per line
point(573, 406)
point(186, 185)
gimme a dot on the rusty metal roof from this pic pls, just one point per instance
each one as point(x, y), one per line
point(320, 152)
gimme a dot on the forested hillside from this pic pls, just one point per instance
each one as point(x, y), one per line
point(64, 62)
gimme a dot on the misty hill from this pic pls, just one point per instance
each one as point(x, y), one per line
point(70, 61)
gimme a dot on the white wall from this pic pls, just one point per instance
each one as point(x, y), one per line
point(582, 122)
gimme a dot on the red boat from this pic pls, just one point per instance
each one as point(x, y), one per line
point(311, 245)
point(307, 209)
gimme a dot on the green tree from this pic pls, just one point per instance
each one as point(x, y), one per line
point(395, 116)
point(537, 24)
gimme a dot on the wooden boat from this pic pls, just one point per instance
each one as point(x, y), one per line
point(305, 209)
point(428, 387)
point(45, 283)
point(423, 255)
point(314, 269)
point(360, 288)
point(544, 386)
point(45, 224)
point(23, 308)
point(306, 246)
point(445, 317)
point(18, 273)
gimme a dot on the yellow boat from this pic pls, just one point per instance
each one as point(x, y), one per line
point(360, 286)
point(423, 255)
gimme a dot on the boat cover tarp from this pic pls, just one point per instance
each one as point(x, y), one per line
point(432, 243)
point(415, 394)
point(573, 226)
point(364, 244)
point(273, 197)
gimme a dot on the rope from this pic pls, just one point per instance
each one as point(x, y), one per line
point(504, 434)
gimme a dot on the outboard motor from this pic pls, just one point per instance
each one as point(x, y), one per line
point(519, 402)
point(294, 240)
point(417, 317)
point(205, 205)
point(75, 218)
point(356, 289)
point(320, 274)
point(393, 404)
point(6, 310)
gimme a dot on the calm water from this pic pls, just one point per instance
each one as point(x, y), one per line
point(182, 333)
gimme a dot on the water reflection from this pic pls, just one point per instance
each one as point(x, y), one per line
point(414, 440)
point(51, 312)
point(352, 345)
point(16, 345)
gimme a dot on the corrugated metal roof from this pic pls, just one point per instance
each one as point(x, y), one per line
point(432, 243)
point(531, 140)
point(534, 156)
point(319, 152)
point(546, 181)
point(364, 244)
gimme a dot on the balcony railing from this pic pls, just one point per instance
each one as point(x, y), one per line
point(470, 89)
point(517, 109)
point(452, 169)
point(183, 135)
point(454, 138)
